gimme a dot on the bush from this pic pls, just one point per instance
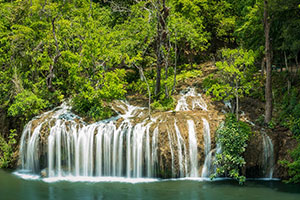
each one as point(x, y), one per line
point(89, 102)
point(7, 149)
point(289, 115)
point(293, 124)
point(26, 104)
point(294, 166)
point(163, 104)
point(232, 136)
point(209, 81)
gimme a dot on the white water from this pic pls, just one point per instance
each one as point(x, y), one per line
point(197, 101)
point(207, 149)
point(193, 149)
point(154, 149)
point(171, 145)
point(91, 150)
point(206, 135)
point(181, 147)
point(268, 156)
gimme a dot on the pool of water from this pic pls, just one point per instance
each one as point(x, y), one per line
point(13, 187)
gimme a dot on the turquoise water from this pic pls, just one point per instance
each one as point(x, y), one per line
point(13, 187)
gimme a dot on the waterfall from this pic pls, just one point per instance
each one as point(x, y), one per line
point(197, 100)
point(207, 149)
point(172, 153)
point(182, 104)
point(193, 149)
point(23, 148)
point(60, 144)
point(33, 151)
point(268, 156)
point(206, 135)
point(96, 149)
point(154, 149)
point(180, 144)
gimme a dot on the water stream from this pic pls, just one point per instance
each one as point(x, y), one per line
point(268, 156)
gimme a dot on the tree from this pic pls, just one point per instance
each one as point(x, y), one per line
point(235, 78)
point(162, 15)
point(232, 136)
point(268, 87)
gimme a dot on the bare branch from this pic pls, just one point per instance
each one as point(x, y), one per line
point(148, 88)
point(54, 59)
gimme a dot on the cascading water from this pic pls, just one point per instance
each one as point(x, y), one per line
point(111, 147)
point(207, 149)
point(268, 156)
point(90, 150)
point(182, 158)
point(197, 100)
point(129, 145)
point(58, 143)
point(193, 149)
point(172, 153)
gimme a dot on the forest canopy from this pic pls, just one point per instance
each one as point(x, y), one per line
point(92, 52)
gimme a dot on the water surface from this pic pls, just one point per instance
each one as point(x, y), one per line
point(12, 187)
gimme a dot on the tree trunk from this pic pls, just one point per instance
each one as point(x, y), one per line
point(296, 60)
point(263, 62)
point(54, 60)
point(268, 88)
point(148, 88)
point(237, 101)
point(158, 51)
point(162, 14)
point(166, 69)
point(175, 65)
point(288, 71)
point(286, 62)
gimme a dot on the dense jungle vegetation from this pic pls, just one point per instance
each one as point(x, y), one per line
point(92, 52)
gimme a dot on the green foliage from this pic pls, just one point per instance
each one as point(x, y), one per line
point(232, 136)
point(26, 104)
point(293, 124)
point(235, 78)
point(163, 104)
point(7, 149)
point(104, 88)
point(260, 120)
point(188, 74)
point(209, 81)
point(293, 166)
point(289, 114)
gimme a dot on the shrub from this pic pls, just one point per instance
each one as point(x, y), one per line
point(7, 149)
point(26, 104)
point(163, 104)
point(209, 81)
point(106, 87)
point(294, 166)
point(232, 136)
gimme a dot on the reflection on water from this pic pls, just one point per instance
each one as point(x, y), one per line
point(14, 188)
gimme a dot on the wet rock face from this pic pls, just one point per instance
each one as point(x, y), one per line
point(253, 157)
point(255, 154)
point(284, 142)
